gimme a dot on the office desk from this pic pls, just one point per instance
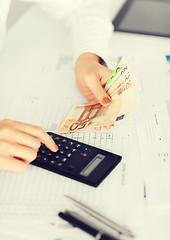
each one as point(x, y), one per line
point(25, 42)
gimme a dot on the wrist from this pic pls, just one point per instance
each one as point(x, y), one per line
point(88, 55)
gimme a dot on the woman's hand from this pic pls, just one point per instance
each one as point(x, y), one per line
point(91, 78)
point(19, 144)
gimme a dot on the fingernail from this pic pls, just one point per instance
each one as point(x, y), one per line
point(56, 148)
point(97, 128)
point(106, 100)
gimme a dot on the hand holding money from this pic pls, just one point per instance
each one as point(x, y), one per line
point(122, 91)
point(91, 77)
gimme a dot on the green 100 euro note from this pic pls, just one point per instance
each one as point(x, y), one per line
point(122, 90)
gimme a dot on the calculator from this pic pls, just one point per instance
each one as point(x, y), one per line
point(77, 160)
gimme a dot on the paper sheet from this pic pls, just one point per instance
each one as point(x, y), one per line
point(46, 93)
point(152, 116)
point(154, 138)
point(153, 129)
point(26, 230)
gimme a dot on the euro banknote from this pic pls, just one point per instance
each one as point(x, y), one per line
point(115, 74)
point(122, 90)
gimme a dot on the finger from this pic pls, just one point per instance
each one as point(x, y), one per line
point(97, 128)
point(9, 149)
point(98, 91)
point(22, 138)
point(107, 127)
point(38, 133)
point(12, 164)
point(106, 73)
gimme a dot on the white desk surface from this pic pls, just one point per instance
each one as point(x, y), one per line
point(33, 27)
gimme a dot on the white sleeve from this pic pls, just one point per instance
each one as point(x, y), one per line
point(89, 23)
point(4, 9)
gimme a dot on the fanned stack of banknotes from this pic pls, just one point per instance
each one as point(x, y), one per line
point(122, 90)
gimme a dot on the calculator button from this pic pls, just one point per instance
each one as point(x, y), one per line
point(44, 159)
point(64, 140)
point(66, 148)
point(64, 160)
point(71, 143)
point(57, 156)
point(52, 162)
point(69, 155)
point(57, 138)
point(88, 149)
point(59, 144)
point(59, 164)
point(71, 167)
point(84, 154)
point(42, 151)
point(74, 150)
point(78, 145)
point(61, 152)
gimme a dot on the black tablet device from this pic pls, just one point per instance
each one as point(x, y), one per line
point(150, 17)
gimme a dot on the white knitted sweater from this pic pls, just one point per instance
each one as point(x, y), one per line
point(88, 21)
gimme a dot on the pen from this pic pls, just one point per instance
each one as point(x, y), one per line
point(121, 230)
point(144, 189)
point(75, 221)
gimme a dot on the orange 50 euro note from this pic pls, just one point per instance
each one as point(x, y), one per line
point(122, 91)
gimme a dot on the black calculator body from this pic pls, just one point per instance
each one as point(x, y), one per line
point(77, 160)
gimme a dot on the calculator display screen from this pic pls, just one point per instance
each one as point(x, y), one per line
point(92, 165)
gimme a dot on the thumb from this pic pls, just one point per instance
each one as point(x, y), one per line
point(102, 97)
